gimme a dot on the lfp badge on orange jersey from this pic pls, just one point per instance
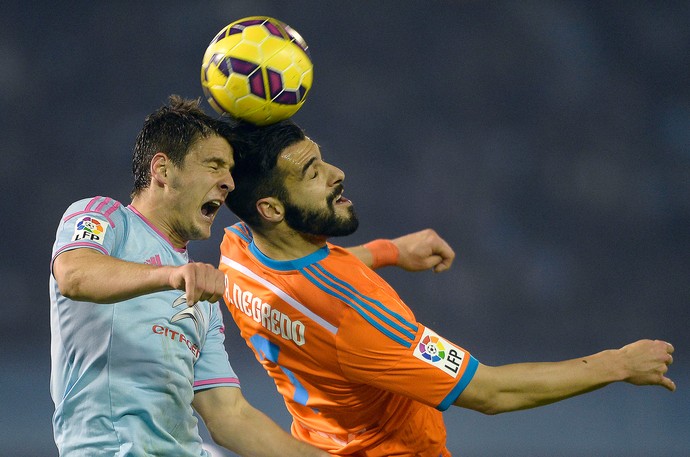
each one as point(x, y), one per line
point(440, 353)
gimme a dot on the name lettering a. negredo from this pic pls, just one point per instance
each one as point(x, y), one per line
point(263, 313)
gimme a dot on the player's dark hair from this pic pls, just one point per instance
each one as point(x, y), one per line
point(173, 129)
point(256, 150)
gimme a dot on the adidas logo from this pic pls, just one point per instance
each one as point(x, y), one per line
point(155, 260)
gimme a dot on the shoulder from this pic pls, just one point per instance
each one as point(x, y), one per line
point(236, 239)
point(97, 204)
point(102, 208)
point(239, 230)
point(343, 255)
point(95, 222)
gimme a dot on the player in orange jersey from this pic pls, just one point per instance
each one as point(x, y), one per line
point(359, 375)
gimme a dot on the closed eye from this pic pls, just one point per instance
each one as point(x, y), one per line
point(309, 165)
point(217, 164)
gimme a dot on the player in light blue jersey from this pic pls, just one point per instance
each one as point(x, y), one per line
point(128, 370)
point(137, 334)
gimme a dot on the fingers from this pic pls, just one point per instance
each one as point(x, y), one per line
point(444, 261)
point(190, 290)
point(648, 362)
point(200, 282)
point(668, 350)
point(440, 264)
point(210, 283)
point(669, 347)
point(665, 381)
point(668, 384)
point(444, 252)
point(423, 250)
point(218, 287)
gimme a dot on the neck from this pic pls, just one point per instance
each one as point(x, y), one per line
point(155, 213)
point(286, 244)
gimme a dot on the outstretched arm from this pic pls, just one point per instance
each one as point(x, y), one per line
point(236, 425)
point(88, 275)
point(417, 251)
point(513, 387)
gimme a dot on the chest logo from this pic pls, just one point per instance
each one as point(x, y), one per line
point(190, 312)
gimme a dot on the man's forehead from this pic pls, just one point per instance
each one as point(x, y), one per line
point(299, 153)
point(215, 147)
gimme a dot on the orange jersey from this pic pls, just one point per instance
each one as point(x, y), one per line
point(359, 375)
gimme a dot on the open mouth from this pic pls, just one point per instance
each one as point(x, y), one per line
point(210, 208)
point(341, 199)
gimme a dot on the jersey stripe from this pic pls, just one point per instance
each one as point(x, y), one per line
point(207, 382)
point(359, 303)
point(112, 209)
point(80, 245)
point(280, 293)
point(237, 230)
point(99, 209)
point(101, 205)
point(398, 317)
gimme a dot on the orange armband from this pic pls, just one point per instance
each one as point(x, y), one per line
point(383, 252)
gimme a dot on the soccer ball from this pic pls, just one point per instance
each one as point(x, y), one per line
point(257, 69)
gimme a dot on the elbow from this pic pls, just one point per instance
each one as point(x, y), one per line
point(219, 437)
point(483, 403)
point(215, 434)
point(70, 287)
point(489, 407)
point(488, 393)
point(493, 410)
point(67, 276)
point(501, 401)
point(67, 281)
point(504, 403)
point(76, 277)
point(73, 285)
point(486, 400)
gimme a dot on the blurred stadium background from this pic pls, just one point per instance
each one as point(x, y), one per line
point(547, 141)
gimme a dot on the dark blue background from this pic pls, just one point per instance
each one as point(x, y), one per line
point(547, 141)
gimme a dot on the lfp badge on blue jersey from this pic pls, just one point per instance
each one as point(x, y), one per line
point(89, 228)
point(440, 353)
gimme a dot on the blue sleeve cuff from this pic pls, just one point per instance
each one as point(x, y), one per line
point(467, 376)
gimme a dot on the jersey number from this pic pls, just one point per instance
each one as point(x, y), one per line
point(270, 351)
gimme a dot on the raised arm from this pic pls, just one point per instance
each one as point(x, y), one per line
point(513, 387)
point(236, 425)
point(88, 275)
point(416, 251)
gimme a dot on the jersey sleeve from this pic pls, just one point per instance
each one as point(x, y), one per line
point(428, 368)
point(93, 223)
point(212, 368)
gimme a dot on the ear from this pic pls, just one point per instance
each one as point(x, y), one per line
point(160, 163)
point(270, 209)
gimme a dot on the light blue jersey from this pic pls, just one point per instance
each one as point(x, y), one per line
point(124, 374)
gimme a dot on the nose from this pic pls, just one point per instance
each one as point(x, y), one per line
point(336, 175)
point(227, 183)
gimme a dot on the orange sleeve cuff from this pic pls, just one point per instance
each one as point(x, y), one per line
point(383, 252)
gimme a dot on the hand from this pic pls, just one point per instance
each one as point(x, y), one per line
point(647, 362)
point(423, 250)
point(200, 282)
